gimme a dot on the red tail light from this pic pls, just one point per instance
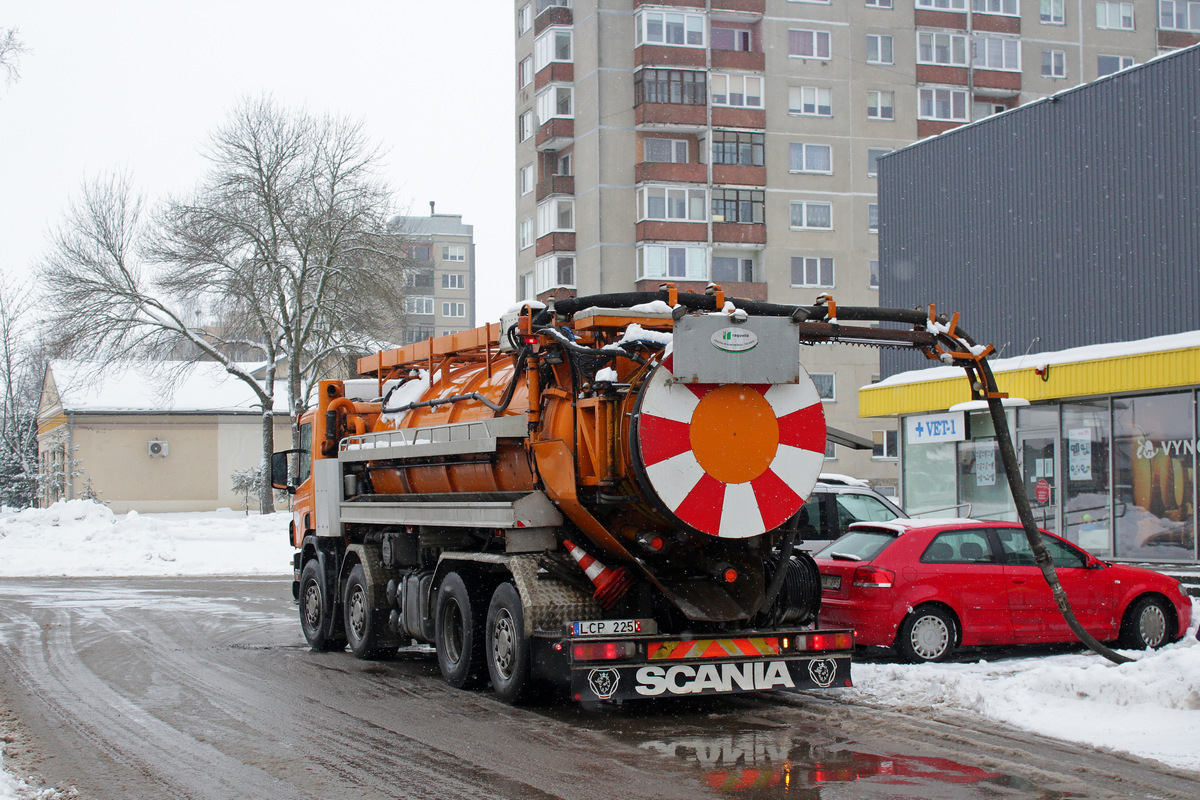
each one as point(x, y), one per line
point(874, 577)
point(601, 651)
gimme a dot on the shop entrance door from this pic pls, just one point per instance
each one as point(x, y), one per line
point(1039, 469)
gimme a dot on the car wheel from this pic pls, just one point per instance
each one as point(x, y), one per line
point(458, 634)
point(927, 634)
point(507, 647)
point(1147, 624)
point(313, 620)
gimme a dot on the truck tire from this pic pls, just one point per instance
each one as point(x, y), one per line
point(458, 634)
point(361, 621)
point(314, 622)
point(506, 647)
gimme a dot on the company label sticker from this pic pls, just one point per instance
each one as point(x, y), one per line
point(734, 340)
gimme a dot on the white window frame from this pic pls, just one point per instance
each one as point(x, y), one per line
point(873, 273)
point(809, 96)
point(653, 261)
point(525, 290)
point(807, 208)
point(418, 304)
point(1054, 64)
point(524, 19)
point(525, 72)
point(880, 49)
point(678, 149)
point(548, 272)
point(875, 104)
point(1114, 16)
point(952, 95)
point(743, 259)
point(879, 3)
point(454, 280)
point(811, 44)
point(1053, 12)
point(943, 5)
point(1123, 62)
point(872, 217)
point(886, 445)
point(987, 51)
point(524, 125)
point(454, 252)
point(1171, 12)
point(691, 200)
point(556, 215)
point(930, 42)
point(810, 267)
point(525, 237)
point(818, 379)
point(549, 103)
point(454, 308)
point(804, 150)
point(525, 179)
point(734, 81)
point(691, 22)
point(545, 48)
point(873, 163)
point(1000, 8)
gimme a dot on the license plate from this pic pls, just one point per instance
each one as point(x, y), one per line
point(611, 627)
point(831, 581)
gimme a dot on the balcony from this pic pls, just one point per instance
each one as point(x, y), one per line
point(745, 6)
point(554, 72)
point(937, 73)
point(671, 114)
point(995, 23)
point(674, 3)
point(555, 134)
point(552, 15)
point(657, 55)
point(676, 173)
point(739, 175)
point(986, 79)
point(559, 242)
point(932, 127)
point(1177, 39)
point(739, 233)
point(726, 117)
point(954, 20)
point(739, 60)
point(555, 184)
point(651, 230)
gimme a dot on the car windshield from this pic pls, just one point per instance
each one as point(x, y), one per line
point(863, 508)
point(858, 546)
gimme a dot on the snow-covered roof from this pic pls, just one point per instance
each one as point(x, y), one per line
point(158, 386)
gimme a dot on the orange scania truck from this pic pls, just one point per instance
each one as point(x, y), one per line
point(597, 496)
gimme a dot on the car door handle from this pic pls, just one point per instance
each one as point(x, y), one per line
point(1018, 580)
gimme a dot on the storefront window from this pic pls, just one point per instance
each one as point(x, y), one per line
point(1084, 477)
point(1155, 468)
point(929, 478)
point(981, 481)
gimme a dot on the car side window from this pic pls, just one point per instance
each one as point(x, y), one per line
point(959, 547)
point(808, 519)
point(1017, 550)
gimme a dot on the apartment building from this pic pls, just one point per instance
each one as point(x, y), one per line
point(736, 141)
point(441, 286)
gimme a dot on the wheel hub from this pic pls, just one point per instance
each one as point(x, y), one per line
point(1152, 625)
point(312, 606)
point(930, 637)
point(503, 647)
point(358, 614)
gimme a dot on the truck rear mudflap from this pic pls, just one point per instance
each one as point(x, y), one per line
point(646, 666)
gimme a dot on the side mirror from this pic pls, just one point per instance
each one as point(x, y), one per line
point(279, 472)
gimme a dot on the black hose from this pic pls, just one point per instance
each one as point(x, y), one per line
point(497, 407)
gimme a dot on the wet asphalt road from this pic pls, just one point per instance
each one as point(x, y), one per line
point(112, 689)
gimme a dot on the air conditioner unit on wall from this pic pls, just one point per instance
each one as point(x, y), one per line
point(157, 448)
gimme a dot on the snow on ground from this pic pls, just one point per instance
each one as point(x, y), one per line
point(1150, 707)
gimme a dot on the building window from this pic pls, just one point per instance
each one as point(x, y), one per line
point(1179, 15)
point(553, 45)
point(524, 18)
point(525, 286)
point(947, 49)
point(524, 126)
point(810, 101)
point(1114, 16)
point(416, 333)
point(881, 105)
point(997, 52)
point(885, 444)
point(524, 73)
point(672, 261)
point(738, 91)
point(556, 101)
point(811, 216)
point(555, 272)
point(879, 3)
point(738, 205)
point(943, 5)
point(419, 280)
point(542, 5)
point(811, 158)
point(826, 384)
point(1052, 12)
point(1008, 8)
point(419, 252)
point(943, 104)
point(454, 280)
point(563, 165)
point(873, 217)
point(808, 44)
point(1107, 65)
point(454, 252)
point(669, 86)
point(556, 216)
point(525, 235)
point(669, 28)
point(737, 39)
point(1054, 64)
point(873, 156)
point(733, 269)
point(873, 274)
point(453, 309)
point(665, 151)
point(525, 179)
point(807, 271)
point(879, 49)
point(830, 450)
point(738, 148)
point(672, 204)
point(418, 305)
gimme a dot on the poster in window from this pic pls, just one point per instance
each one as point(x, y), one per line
point(1079, 459)
point(985, 464)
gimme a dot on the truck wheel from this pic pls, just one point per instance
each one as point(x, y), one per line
point(458, 635)
point(1147, 624)
point(313, 620)
point(927, 634)
point(362, 626)
point(507, 649)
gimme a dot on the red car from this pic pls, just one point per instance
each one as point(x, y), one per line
point(926, 587)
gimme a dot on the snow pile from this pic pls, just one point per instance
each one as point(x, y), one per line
point(1149, 707)
point(82, 537)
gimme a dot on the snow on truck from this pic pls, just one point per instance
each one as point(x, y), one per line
point(599, 495)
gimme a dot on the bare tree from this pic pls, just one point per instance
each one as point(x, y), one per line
point(21, 368)
point(284, 247)
point(11, 50)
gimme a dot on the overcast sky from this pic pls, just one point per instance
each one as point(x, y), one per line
point(137, 85)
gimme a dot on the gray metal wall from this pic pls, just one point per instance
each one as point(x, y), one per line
point(1070, 221)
